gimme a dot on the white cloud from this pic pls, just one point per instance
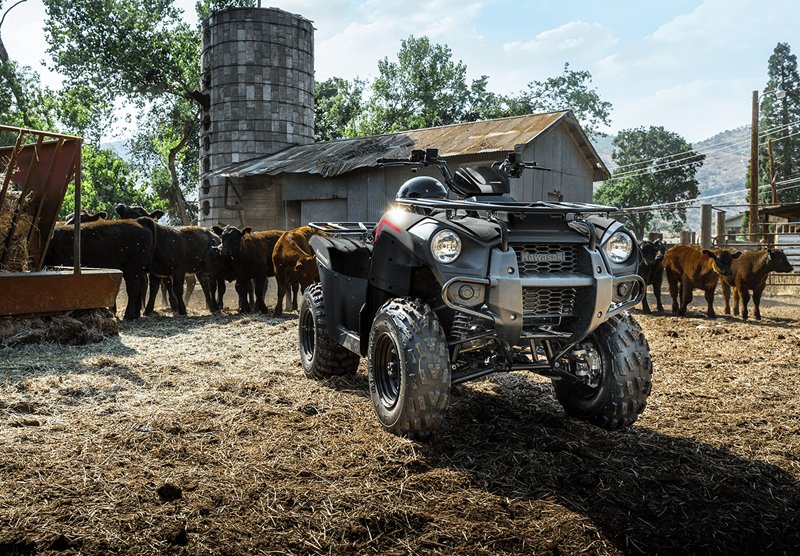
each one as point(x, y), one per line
point(571, 40)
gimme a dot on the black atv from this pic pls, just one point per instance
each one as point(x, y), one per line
point(442, 291)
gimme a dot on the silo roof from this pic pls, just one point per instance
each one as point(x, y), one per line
point(332, 158)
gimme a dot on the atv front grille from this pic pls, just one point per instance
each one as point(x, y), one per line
point(536, 258)
point(547, 303)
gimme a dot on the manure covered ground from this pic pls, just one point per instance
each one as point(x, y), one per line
point(201, 435)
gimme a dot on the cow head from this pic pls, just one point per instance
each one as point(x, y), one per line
point(777, 261)
point(231, 239)
point(125, 211)
point(721, 260)
point(652, 252)
point(306, 270)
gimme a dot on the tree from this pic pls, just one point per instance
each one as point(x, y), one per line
point(142, 51)
point(778, 121)
point(23, 100)
point(338, 106)
point(568, 91)
point(107, 180)
point(655, 166)
point(424, 88)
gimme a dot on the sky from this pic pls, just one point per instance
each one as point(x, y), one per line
point(687, 65)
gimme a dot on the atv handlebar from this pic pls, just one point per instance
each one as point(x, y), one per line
point(512, 166)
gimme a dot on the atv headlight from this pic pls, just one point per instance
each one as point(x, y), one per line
point(619, 247)
point(446, 246)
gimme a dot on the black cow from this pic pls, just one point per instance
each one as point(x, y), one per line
point(127, 245)
point(651, 269)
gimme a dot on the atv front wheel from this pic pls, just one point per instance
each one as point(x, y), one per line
point(409, 369)
point(320, 355)
point(620, 392)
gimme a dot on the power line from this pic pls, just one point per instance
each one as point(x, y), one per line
point(724, 145)
point(688, 202)
point(662, 167)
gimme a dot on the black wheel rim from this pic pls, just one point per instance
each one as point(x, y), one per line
point(387, 371)
point(307, 334)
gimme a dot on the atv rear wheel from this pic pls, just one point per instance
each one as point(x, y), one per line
point(621, 391)
point(320, 355)
point(409, 369)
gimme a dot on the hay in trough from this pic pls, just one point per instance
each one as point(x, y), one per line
point(82, 327)
point(14, 255)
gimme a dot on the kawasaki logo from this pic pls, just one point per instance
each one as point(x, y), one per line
point(558, 257)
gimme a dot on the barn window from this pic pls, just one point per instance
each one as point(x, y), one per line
point(206, 187)
point(206, 208)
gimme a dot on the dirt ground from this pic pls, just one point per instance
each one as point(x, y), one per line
point(201, 435)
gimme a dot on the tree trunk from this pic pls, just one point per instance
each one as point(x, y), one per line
point(177, 194)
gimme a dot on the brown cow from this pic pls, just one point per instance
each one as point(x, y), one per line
point(295, 264)
point(126, 245)
point(688, 267)
point(750, 272)
point(251, 256)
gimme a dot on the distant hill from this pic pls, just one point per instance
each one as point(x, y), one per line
point(724, 170)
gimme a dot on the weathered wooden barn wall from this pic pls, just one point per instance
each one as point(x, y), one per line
point(570, 176)
point(290, 200)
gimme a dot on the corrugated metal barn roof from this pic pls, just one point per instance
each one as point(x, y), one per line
point(331, 158)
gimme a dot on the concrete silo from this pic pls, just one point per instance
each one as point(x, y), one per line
point(258, 70)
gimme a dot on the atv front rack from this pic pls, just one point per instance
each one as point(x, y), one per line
point(361, 230)
point(507, 206)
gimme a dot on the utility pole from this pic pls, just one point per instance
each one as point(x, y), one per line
point(753, 228)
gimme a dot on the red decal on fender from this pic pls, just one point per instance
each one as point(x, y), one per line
point(380, 226)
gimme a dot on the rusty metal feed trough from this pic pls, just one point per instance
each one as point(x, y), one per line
point(34, 174)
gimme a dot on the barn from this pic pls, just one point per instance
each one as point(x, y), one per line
point(260, 165)
point(341, 180)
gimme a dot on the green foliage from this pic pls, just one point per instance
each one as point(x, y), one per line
point(205, 7)
point(131, 48)
point(424, 88)
point(778, 121)
point(648, 174)
point(143, 51)
point(339, 104)
point(107, 180)
point(158, 134)
point(568, 91)
point(41, 103)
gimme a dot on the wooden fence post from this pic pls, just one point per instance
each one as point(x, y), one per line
point(721, 236)
point(705, 226)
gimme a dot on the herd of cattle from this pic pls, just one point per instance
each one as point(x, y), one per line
point(689, 267)
point(140, 247)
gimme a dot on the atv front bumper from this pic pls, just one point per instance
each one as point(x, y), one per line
point(568, 305)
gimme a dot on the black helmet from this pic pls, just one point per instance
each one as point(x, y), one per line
point(422, 187)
